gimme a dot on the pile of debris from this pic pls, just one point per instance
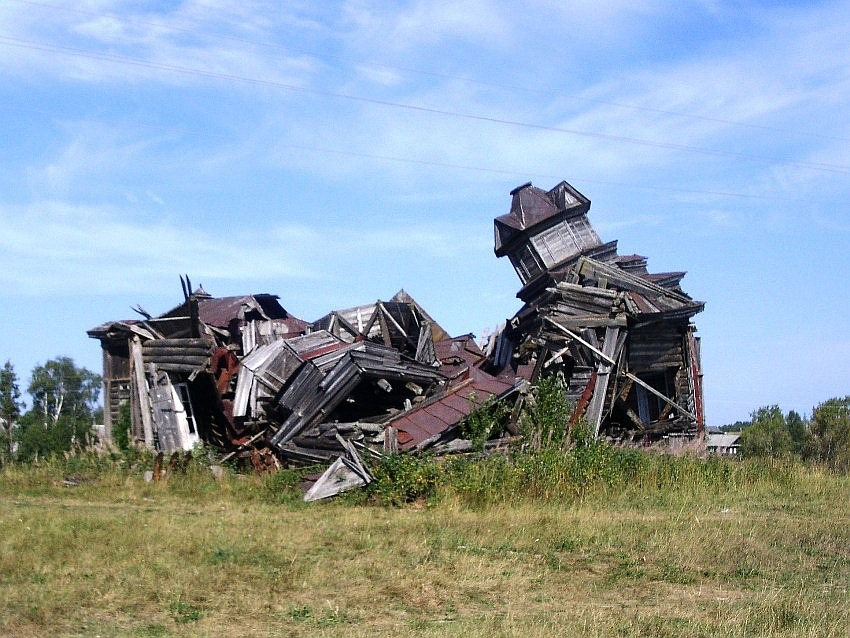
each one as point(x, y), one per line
point(245, 376)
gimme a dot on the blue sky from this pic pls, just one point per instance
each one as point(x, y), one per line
point(335, 152)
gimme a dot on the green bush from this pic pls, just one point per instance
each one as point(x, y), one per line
point(403, 478)
point(484, 422)
point(830, 432)
point(121, 429)
point(768, 435)
point(545, 421)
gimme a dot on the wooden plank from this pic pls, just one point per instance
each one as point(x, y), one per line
point(385, 329)
point(142, 390)
point(395, 323)
point(587, 291)
point(336, 479)
point(172, 350)
point(556, 357)
point(355, 458)
point(147, 333)
point(179, 367)
point(593, 268)
point(590, 321)
point(624, 393)
point(244, 446)
point(390, 440)
point(178, 343)
point(603, 372)
point(633, 417)
point(195, 360)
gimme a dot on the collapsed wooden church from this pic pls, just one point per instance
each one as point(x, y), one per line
point(245, 376)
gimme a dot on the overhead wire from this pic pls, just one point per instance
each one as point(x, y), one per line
point(34, 45)
point(445, 76)
point(435, 164)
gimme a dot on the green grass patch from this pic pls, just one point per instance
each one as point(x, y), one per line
point(600, 542)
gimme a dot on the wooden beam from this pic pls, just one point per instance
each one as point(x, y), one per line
point(652, 390)
point(395, 323)
point(556, 356)
point(142, 390)
point(583, 342)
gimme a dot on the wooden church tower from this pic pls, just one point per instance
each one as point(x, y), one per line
point(544, 229)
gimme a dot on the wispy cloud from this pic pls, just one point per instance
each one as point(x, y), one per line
point(57, 247)
point(189, 44)
point(408, 26)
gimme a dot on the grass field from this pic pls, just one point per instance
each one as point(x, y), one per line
point(115, 556)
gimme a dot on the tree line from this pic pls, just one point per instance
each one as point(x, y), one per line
point(63, 410)
point(824, 438)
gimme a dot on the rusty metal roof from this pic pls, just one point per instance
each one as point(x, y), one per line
point(441, 413)
point(457, 354)
point(530, 205)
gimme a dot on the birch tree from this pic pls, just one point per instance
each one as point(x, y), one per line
point(10, 406)
point(64, 399)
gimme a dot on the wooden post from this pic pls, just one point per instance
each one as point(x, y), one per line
point(603, 371)
point(652, 390)
point(142, 390)
point(390, 440)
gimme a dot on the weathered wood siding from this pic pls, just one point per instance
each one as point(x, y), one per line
point(656, 348)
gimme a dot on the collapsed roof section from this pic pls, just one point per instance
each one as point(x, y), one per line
point(241, 373)
point(399, 323)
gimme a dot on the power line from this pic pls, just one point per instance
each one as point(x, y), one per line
point(30, 44)
point(445, 76)
point(466, 167)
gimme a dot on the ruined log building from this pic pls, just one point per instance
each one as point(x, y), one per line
point(245, 376)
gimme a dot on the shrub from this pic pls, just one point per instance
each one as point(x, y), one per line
point(768, 435)
point(484, 422)
point(545, 422)
point(121, 429)
point(403, 478)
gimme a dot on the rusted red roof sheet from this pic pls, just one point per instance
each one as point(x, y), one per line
point(318, 352)
point(436, 416)
point(457, 354)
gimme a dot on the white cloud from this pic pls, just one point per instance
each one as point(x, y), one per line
point(59, 247)
point(91, 151)
point(379, 75)
point(703, 84)
point(411, 25)
point(717, 218)
point(177, 47)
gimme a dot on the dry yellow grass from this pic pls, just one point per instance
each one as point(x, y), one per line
point(117, 557)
